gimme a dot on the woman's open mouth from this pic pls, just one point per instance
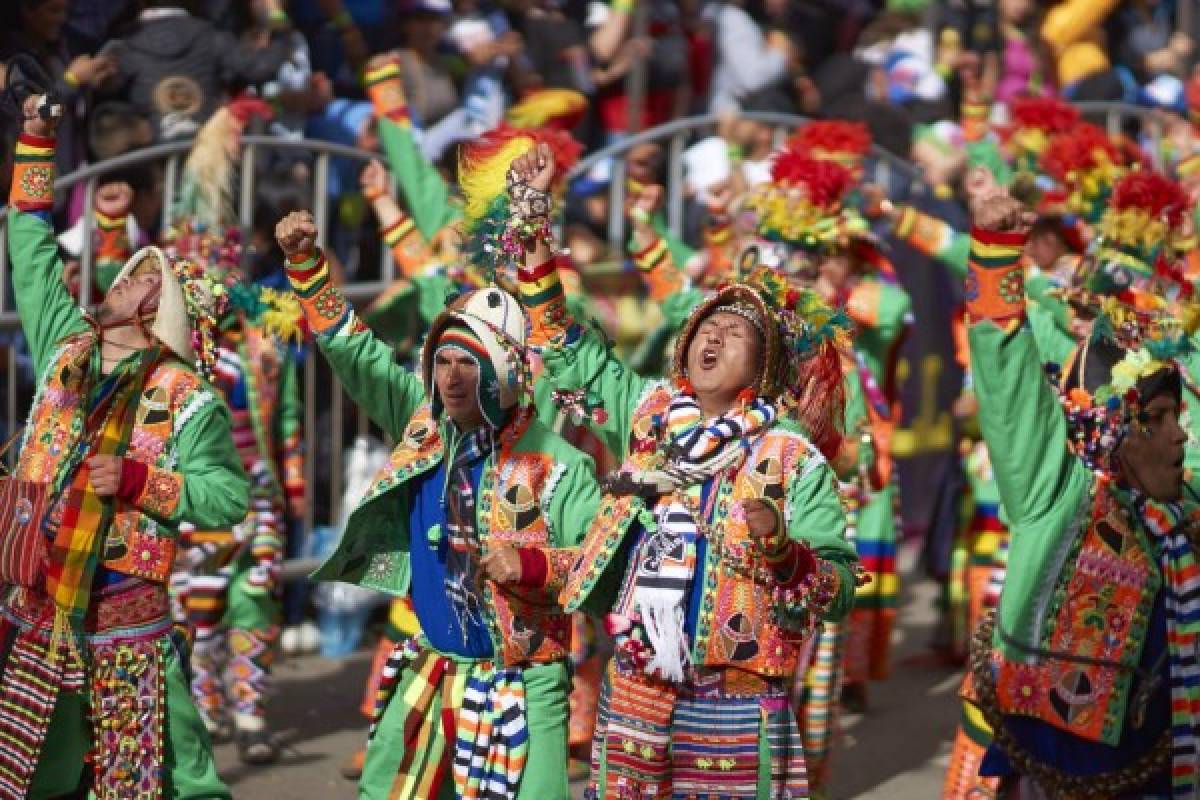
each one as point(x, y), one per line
point(708, 358)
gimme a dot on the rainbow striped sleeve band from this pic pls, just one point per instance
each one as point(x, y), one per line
point(33, 174)
point(995, 287)
point(324, 305)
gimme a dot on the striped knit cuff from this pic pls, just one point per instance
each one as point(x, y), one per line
point(718, 232)
point(651, 257)
point(540, 286)
point(397, 231)
point(995, 287)
point(33, 174)
point(386, 91)
point(546, 304)
point(112, 239)
point(324, 305)
point(975, 120)
point(794, 562)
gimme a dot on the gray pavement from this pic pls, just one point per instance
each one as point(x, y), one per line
point(898, 750)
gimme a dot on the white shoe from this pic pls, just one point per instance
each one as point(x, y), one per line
point(290, 641)
point(309, 637)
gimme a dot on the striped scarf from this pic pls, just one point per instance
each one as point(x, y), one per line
point(464, 586)
point(79, 518)
point(1181, 580)
point(666, 559)
point(481, 707)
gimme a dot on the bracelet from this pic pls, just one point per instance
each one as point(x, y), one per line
point(528, 211)
point(278, 17)
point(71, 79)
point(342, 20)
point(623, 6)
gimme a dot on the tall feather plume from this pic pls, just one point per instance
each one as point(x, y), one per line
point(206, 194)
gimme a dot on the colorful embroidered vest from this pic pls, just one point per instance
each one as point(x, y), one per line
point(526, 624)
point(740, 623)
point(1092, 629)
point(137, 544)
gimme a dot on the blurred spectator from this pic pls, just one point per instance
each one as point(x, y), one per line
point(175, 68)
point(1074, 32)
point(117, 128)
point(428, 86)
point(1143, 32)
point(35, 28)
point(737, 76)
point(295, 91)
point(557, 50)
point(664, 53)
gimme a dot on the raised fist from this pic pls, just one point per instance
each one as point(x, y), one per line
point(33, 124)
point(536, 168)
point(297, 233)
point(993, 208)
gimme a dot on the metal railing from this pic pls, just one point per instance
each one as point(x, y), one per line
point(883, 168)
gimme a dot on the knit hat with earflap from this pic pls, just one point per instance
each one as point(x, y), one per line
point(189, 305)
point(489, 325)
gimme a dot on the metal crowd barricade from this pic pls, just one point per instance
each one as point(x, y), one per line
point(885, 168)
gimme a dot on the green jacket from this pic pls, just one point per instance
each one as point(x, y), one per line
point(530, 465)
point(1061, 609)
point(194, 472)
point(812, 508)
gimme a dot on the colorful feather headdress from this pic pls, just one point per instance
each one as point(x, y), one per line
point(1087, 165)
point(803, 205)
point(1137, 228)
point(805, 341)
point(483, 177)
point(1034, 121)
point(845, 143)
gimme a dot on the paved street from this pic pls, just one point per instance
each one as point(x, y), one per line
point(897, 751)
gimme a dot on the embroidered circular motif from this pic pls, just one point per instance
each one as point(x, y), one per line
point(1012, 286)
point(36, 181)
point(329, 303)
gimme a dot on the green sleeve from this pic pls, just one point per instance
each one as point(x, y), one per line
point(955, 256)
point(367, 368)
point(680, 251)
point(425, 193)
point(895, 312)
point(679, 306)
point(215, 492)
point(364, 363)
point(815, 516)
point(587, 363)
point(47, 311)
point(856, 421)
point(288, 415)
point(573, 504)
point(1022, 423)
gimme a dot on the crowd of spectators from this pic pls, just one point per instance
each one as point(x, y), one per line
point(134, 72)
point(139, 71)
